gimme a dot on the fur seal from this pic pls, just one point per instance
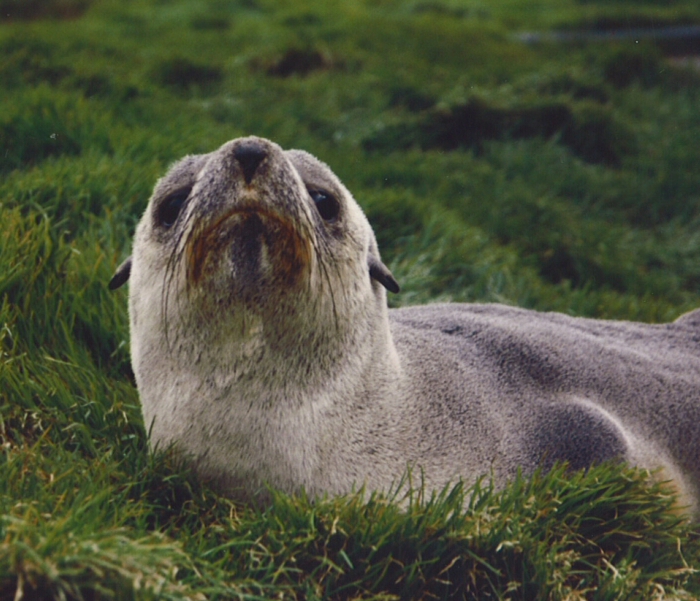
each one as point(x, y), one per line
point(264, 351)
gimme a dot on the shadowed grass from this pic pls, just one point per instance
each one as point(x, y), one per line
point(606, 534)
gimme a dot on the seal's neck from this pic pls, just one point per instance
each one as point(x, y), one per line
point(284, 353)
point(271, 403)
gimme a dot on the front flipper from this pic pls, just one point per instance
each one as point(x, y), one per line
point(578, 433)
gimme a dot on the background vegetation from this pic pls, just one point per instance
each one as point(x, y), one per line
point(558, 176)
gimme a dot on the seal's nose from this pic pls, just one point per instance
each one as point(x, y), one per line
point(250, 154)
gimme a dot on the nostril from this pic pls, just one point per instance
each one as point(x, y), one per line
point(249, 155)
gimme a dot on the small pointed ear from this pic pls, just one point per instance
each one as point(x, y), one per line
point(120, 276)
point(381, 273)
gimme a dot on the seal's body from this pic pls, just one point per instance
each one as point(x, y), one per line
point(264, 351)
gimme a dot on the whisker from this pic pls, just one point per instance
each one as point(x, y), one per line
point(170, 277)
point(324, 268)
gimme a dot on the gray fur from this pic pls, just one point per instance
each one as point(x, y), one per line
point(293, 373)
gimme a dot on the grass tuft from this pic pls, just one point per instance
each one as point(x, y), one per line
point(52, 559)
point(552, 536)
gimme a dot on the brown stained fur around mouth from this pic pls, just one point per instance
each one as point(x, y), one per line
point(291, 252)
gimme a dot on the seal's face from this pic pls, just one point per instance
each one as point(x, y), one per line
point(240, 232)
point(251, 241)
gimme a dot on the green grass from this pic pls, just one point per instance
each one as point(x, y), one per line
point(553, 177)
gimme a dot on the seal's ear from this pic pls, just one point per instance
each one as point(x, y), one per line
point(381, 273)
point(121, 275)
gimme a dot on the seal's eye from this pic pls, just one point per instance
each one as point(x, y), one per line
point(170, 208)
point(327, 205)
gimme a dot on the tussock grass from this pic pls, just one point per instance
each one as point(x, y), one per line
point(548, 537)
point(579, 195)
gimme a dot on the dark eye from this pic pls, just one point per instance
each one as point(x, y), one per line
point(327, 205)
point(170, 208)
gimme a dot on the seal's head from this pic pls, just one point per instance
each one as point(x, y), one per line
point(248, 253)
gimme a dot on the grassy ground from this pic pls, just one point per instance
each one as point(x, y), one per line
point(555, 177)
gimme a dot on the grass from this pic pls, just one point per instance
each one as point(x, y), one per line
point(557, 177)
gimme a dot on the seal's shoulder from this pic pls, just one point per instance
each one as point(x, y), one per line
point(460, 320)
point(690, 319)
point(450, 316)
